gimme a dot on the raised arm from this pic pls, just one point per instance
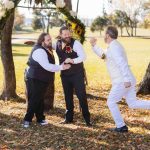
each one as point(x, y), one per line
point(98, 51)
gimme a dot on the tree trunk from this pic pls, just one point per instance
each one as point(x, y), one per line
point(127, 31)
point(100, 32)
point(43, 24)
point(132, 29)
point(49, 96)
point(9, 83)
point(121, 30)
point(48, 23)
point(145, 84)
point(135, 33)
point(68, 4)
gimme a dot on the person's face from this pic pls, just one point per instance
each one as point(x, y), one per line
point(106, 38)
point(66, 36)
point(47, 42)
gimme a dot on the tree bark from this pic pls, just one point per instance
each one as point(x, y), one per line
point(68, 4)
point(121, 30)
point(132, 29)
point(128, 31)
point(9, 83)
point(135, 32)
point(145, 84)
point(48, 24)
point(43, 24)
point(49, 96)
point(100, 32)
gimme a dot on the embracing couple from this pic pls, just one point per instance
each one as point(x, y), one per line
point(71, 56)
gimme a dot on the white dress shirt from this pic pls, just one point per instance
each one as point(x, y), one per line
point(41, 57)
point(116, 61)
point(78, 48)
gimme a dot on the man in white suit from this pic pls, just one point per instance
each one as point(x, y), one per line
point(123, 81)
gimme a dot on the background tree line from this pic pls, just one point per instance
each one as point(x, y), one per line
point(126, 14)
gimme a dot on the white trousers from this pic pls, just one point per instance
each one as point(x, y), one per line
point(116, 94)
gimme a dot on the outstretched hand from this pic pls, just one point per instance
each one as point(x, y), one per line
point(93, 41)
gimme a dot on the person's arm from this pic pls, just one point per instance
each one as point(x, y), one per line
point(118, 56)
point(41, 57)
point(78, 48)
point(80, 52)
point(98, 51)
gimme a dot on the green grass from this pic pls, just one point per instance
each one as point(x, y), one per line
point(137, 49)
point(77, 136)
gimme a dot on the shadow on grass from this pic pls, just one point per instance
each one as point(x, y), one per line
point(59, 137)
point(143, 37)
point(91, 97)
point(14, 136)
point(96, 119)
point(21, 45)
point(98, 94)
point(18, 99)
point(19, 54)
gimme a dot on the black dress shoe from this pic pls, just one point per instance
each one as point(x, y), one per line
point(122, 129)
point(66, 122)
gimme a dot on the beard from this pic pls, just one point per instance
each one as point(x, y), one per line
point(66, 40)
point(48, 46)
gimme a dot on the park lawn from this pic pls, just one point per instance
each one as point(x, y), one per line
point(77, 136)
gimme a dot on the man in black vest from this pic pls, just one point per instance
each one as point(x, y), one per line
point(71, 51)
point(38, 74)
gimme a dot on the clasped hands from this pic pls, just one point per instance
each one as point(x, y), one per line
point(67, 63)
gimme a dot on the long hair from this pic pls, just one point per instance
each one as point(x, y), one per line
point(41, 38)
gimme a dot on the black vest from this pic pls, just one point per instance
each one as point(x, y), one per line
point(36, 71)
point(62, 55)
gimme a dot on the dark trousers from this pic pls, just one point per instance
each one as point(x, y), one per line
point(35, 95)
point(70, 83)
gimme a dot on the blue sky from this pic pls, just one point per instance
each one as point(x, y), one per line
point(87, 8)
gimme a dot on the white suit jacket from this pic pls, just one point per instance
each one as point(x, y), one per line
point(116, 61)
